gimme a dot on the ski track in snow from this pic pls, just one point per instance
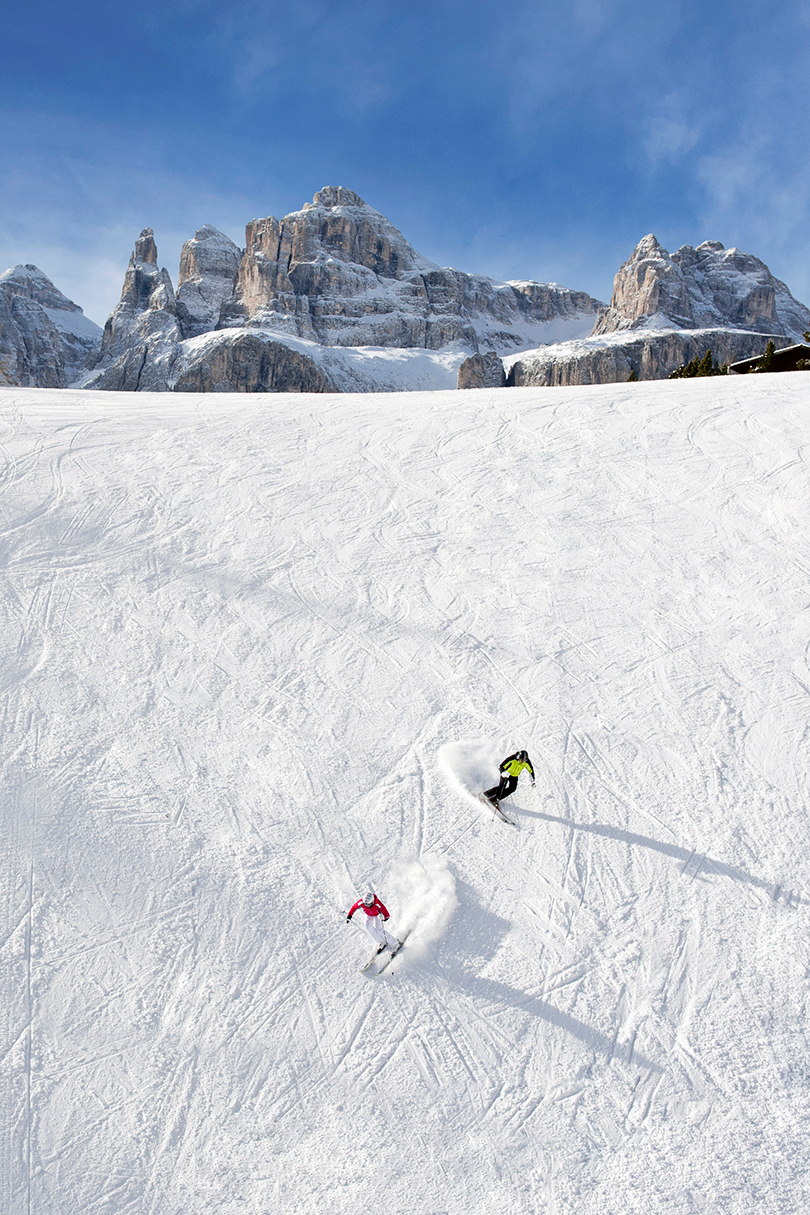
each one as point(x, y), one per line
point(252, 651)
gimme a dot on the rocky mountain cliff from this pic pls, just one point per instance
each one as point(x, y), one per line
point(139, 346)
point(336, 273)
point(703, 288)
point(209, 266)
point(668, 309)
point(46, 341)
point(334, 298)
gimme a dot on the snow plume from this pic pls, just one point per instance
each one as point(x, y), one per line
point(424, 892)
point(471, 765)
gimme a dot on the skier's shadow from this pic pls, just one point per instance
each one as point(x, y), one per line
point(694, 862)
point(472, 940)
point(514, 999)
point(474, 936)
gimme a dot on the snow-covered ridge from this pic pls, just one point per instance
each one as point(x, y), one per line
point(651, 349)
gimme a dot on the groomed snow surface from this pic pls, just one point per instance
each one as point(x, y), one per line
point(258, 652)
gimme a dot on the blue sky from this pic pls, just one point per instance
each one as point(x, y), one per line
point(512, 138)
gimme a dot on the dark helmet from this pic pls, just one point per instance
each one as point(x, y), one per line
point(523, 756)
point(368, 899)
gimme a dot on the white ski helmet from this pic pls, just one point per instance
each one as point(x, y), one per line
point(368, 899)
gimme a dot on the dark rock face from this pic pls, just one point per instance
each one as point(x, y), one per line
point(482, 371)
point(249, 363)
point(46, 341)
point(700, 288)
point(652, 355)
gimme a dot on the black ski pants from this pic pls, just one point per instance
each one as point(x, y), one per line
point(505, 789)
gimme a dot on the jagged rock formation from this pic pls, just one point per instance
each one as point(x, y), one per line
point(339, 273)
point(336, 273)
point(140, 342)
point(610, 359)
point(246, 362)
point(482, 371)
point(707, 287)
point(45, 339)
point(333, 297)
point(666, 310)
point(209, 265)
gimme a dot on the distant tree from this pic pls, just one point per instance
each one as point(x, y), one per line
point(766, 362)
point(699, 367)
point(632, 378)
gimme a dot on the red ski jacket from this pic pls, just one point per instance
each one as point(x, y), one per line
point(376, 908)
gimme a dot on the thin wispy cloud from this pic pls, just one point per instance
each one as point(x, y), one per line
point(104, 200)
point(672, 130)
point(761, 206)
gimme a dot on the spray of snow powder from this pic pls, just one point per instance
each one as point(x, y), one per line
point(424, 892)
point(471, 765)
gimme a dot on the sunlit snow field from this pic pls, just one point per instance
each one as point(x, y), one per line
point(254, 652)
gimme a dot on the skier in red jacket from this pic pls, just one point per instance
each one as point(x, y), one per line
point(374, 913)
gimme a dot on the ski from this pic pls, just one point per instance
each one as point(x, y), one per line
point(392, 955)
point(373, 959)
point(496, 810)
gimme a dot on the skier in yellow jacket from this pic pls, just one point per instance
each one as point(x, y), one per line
point(510, 770)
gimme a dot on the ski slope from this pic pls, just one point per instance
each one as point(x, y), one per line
point(258, 652)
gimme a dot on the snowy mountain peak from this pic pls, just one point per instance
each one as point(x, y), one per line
point(208, 251)
point(140, 338)
point(29, 282)
point(648, 246)
point(45, 339)
point(145, 248)
point(339, 273)
point(209, 264)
